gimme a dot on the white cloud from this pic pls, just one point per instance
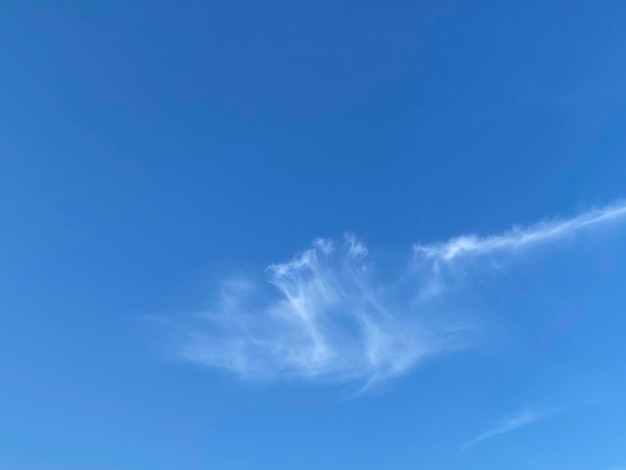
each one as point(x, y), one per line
point(328, 319)
point(519, 239)
point(524, 418)
point(330, 314)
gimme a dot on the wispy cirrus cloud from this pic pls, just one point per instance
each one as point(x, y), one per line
point(524, 418)
point(331, 314)
point(329, 317)
point(519, 238)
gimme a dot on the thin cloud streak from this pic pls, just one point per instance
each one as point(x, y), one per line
point(330, 314)
point(519, 239)
point(525, 418)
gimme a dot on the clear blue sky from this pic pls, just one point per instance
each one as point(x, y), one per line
point(279, 235)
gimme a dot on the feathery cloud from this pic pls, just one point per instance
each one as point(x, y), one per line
point(329, 318)
point(329, 314)
point(518, 238)
point(524, 418)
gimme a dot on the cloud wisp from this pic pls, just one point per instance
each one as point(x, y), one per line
point(331, 314)
point(328, 319)
point(519, 239)
point(524, 418)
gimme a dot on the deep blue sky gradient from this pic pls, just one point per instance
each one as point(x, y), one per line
point(148, 147)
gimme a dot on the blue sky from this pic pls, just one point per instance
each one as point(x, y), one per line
point(314, 235)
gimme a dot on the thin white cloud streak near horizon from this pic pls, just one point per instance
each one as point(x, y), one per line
point(331, 315)
point(524, 418)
